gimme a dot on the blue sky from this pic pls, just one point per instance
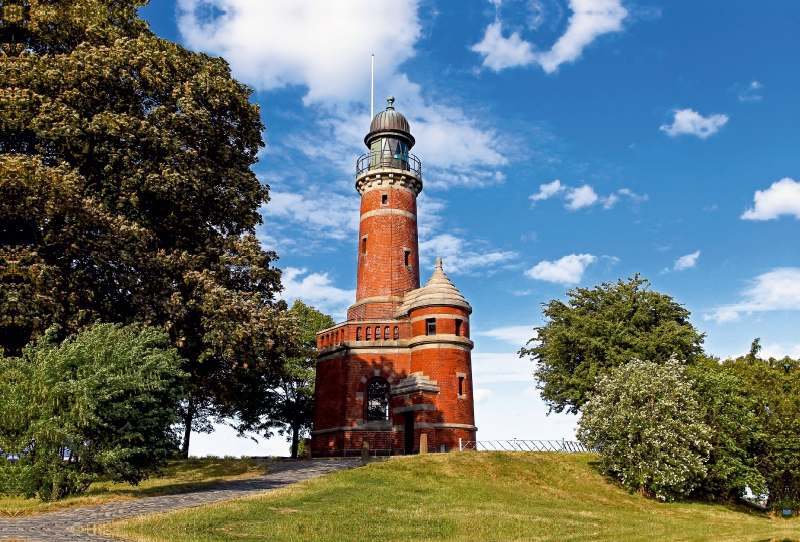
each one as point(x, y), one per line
point(564, 143)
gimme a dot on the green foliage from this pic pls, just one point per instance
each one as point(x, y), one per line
point(775, 385)
point(101, 403)
point(126, 193)
point(284, 399)
point(645, 419)
point(601, 328)
point(728, 406)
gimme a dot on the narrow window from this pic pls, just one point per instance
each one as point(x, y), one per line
point(386, 333)
point(378, 333)
point(369, 333)
point(358, 333)
point(431, 326)
point(458, 327)
point(396, 332)
point(384, 199)
point(407, 257)
point(461, 385)
point(363, 245)
point(378, 400)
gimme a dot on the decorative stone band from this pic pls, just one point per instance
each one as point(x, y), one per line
point(380, 178)
point(440, 341)
point(377, 299)
point(412, 408)
point(416, 383)
point(378, 212)
point(419, 425)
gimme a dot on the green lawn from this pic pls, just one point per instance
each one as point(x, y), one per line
point(461, 496)
point(177, 476)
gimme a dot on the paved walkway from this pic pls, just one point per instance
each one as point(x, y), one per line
point(62, 526)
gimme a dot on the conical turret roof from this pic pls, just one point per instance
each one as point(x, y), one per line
point(438, 292)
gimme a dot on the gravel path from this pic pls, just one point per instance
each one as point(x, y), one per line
point(62, 526)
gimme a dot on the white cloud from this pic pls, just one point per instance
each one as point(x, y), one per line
point(499, 52)
point(782, 198)
point(481, 395)
point(457, 257)
point(779, 351)
point(488, 367)
point(567, 270)
point(316, 289)
point(515, 335)
point(547, 191)
point(325, 47)
point(776, 290)
point(583, 196)
point(685, 262)
point(751, 93)
point(330, 214)
point(590, 19)
point(691, 122)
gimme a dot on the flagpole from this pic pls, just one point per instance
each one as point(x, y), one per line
point(372, 92)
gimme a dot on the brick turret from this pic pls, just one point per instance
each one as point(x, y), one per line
point(400, 366)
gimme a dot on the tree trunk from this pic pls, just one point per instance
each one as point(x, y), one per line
point(187, 428)
point(295, 440)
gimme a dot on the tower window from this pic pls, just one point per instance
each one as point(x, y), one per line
point(458, 327)
point(385, 199)
point(396, 332)
point(430, 326)
point(386, 333)
point(358, 333)
point(369, 333)
point(461, 385)
point(407, 257)
point(378, 400)
point(363, 245)
point(378, 333)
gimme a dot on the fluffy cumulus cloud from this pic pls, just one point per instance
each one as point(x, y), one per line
point(328, 214)
point(568, 270)
point(272, 45)
point(515, 335)
point(460, 257)
point(590, 19)
point(685, 262)
point(778, 289)
point(689, 122)
point(782, 198)
point(581, 196)
point(316, 289)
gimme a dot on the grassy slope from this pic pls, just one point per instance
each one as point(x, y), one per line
point(467, 496)
point(177, 476)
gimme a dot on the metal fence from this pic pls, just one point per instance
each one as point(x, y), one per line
point(515, 445)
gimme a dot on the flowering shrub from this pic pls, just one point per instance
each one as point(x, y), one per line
point(645, 419)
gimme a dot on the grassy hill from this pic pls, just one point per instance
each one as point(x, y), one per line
point(466, 496)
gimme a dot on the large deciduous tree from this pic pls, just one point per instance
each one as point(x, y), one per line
point(126, 193)
point(603, 327)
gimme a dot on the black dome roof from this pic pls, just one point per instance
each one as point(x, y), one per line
point(391, 121)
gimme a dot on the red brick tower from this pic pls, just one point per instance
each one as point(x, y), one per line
point(400, 366)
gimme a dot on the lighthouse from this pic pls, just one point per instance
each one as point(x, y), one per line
point(400, 366)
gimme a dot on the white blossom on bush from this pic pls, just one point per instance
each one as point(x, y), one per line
point(645, 419)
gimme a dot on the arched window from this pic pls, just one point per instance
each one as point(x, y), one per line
point(396, 332)
point(386, 333)
point(378, 400)
point(369, 333)
point(377, 333)
point(358, 333)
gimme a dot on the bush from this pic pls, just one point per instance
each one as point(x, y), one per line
point(645, 419)
point(101, 403)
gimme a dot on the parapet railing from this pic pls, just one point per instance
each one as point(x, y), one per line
point(383, 159)
point(515, 445)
